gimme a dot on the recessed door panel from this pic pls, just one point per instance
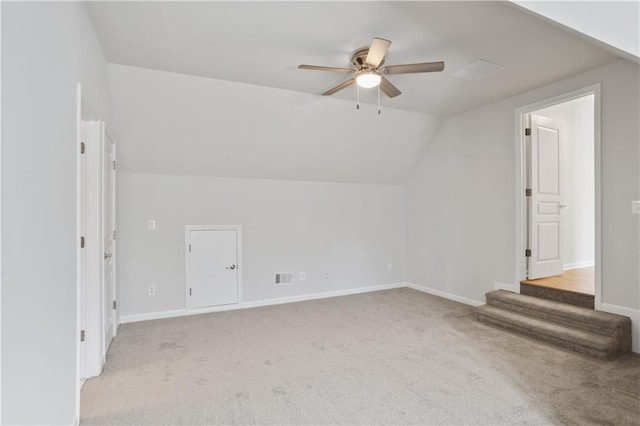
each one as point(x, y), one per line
point(549, 247)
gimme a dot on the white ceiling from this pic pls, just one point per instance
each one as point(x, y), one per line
point(262, 43)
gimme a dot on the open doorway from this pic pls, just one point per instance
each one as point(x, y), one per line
point(560, 204)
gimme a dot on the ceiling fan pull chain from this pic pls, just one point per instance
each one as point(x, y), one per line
point(357, 97)
point(378, 99)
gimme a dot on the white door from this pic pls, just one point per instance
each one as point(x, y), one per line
point(212, 267)
point(108, 200)
point(545, 225)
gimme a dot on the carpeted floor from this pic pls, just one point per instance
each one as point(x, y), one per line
point(389, 357)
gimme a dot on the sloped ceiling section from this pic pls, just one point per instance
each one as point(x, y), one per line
point(262, 43)
point(615, 24)
point(171, 123)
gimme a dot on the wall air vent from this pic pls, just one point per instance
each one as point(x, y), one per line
point(284, 278)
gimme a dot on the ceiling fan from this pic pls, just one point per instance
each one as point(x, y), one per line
point(369, 72)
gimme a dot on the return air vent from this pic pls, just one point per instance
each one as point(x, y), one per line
point(284, 278)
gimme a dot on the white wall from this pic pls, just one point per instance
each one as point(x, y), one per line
point(576, 119)
point(46, 49)
point(461, 206)
point(351, 231)
point(181, 124)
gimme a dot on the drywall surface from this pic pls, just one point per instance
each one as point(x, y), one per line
point(461, 197)
point(46, 49)
point(576, 120)
point(348, 231)
point(615, 23)
point(186, 125)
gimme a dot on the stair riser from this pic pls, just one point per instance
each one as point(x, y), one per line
point(582, 300)
point(600, 354)
point(620, 331)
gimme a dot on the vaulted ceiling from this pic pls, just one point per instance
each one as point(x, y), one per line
point(213, 88)
point(262, 43)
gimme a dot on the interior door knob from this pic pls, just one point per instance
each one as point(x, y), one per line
point(107, 256)
point(231, 267)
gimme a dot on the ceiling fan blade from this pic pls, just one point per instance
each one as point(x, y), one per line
point(320, 68)
point(378, 49)
point(339, 87)
point(411, 68)
point(389, 89)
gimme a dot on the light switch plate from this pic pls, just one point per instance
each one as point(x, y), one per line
point(151, 225)
point(635, 207)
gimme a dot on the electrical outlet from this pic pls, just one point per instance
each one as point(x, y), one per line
point(326, 275)
point(635, 207)
point(302, 276)
point(151, 225)
point(389, 267)
point(152, 290)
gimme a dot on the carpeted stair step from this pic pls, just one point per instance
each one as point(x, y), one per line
point(586, 342)
point(599, 334)
point(557, 294)
point(569, 315)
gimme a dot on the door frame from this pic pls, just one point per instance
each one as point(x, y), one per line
point(108, 174)
point(187, 270)
point(521, 115)
point(79, 261)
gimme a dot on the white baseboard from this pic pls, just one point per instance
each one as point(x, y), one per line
point(176, 313)
point(634, 314)
point(578, 265)
point(444, 294)
point(323, 295)
point(254, 304)
point(497, 285)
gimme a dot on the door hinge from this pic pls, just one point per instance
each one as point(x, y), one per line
point(81, 147)
point(81, 242)
point(82, 335)
point(114, 164)
point(189, 248)
point(527, 132)
point(527, 192)
point(189, 292)
point(114, 234)
point(115, 304)
point(527, 253)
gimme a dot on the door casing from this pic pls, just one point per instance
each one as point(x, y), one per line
point(520, 182)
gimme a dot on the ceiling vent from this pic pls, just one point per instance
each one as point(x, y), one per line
point(284, 278)
point(478, 70)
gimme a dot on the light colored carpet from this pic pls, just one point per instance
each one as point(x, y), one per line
point(389, 357)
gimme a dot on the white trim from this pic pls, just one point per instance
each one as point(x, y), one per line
point(116, 313)
point(0, 220)
point(520, 181)
point(77, 241)
point(504, 286)
point(187, 281)
point(444, 294)
point(323, 295)
point(634, 314)
point(254, 304)
point(578, 265)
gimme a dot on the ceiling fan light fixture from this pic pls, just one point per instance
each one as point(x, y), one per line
point(368, 79)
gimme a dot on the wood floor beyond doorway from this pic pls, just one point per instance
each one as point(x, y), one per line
point(579, 280)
